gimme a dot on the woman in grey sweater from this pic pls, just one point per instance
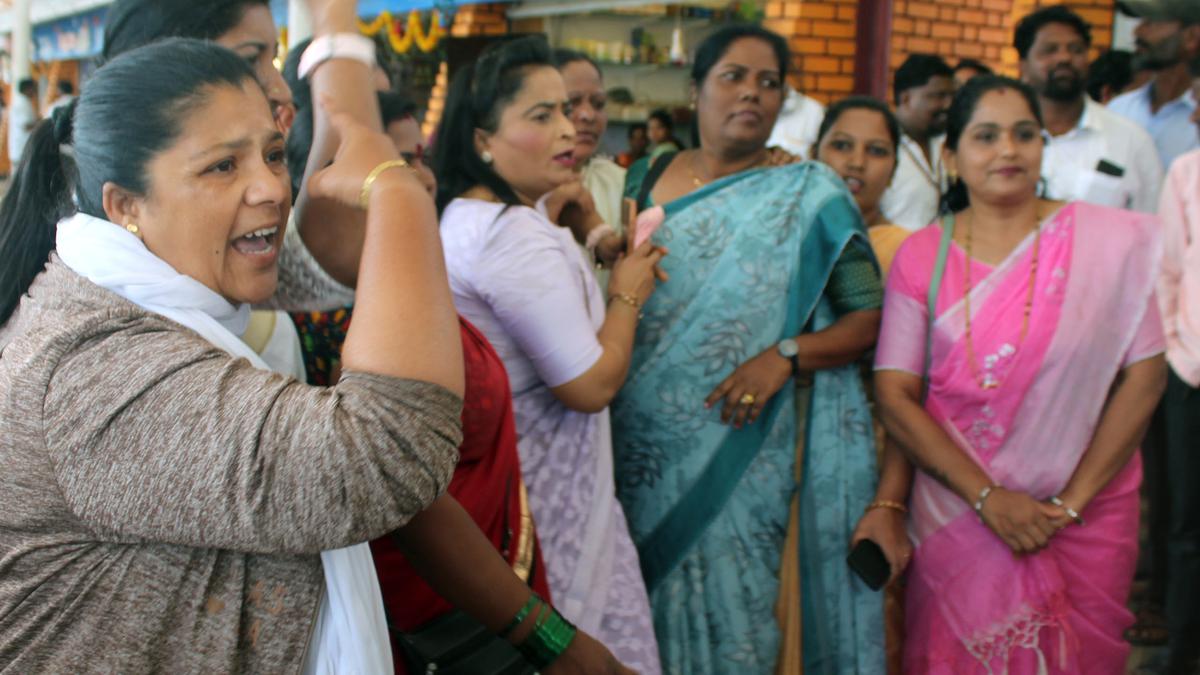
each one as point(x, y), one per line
point(163, 502)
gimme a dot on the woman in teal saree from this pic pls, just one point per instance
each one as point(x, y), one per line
point(742, 490)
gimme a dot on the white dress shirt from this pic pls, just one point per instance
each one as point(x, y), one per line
point(912, 199)
point(797, 125)
point(1073, 169)
point(1171, 127)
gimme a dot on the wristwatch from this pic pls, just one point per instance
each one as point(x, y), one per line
point(788, 348)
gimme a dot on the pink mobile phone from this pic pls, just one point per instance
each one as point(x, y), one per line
point(647, 224)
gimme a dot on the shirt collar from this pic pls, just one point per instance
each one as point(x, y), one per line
point(1090, 119)
point(1146, 94)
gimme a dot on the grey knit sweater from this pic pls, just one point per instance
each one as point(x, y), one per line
point(162, 504)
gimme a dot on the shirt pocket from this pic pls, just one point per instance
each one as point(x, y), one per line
point(1104, 190)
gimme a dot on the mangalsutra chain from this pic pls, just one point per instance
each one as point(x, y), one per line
point(990, 382)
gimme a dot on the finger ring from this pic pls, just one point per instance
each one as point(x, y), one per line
point(747, 399)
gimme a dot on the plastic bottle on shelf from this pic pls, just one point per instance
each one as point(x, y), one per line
point(677, 55)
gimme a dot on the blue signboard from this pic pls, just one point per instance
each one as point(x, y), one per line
point(75, 37)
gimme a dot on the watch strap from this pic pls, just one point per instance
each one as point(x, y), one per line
point(350, 46)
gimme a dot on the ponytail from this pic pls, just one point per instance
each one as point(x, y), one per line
point(38, 197)
point(97, 139)
point(478, 93)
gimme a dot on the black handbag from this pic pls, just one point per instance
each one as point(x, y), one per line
point(456, 644)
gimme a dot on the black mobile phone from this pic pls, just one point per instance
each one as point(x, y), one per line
point(1108, 168)
point(869, 563)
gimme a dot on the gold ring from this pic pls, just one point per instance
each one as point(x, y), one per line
point(747, 399)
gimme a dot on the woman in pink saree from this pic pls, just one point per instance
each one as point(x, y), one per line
point(1043, 369)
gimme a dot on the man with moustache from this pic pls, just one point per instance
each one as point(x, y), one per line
point(923, 88)
point(1093, 154)
point(1179, 298)
point(1166, 39)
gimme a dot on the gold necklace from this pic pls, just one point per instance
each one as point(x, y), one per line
point(696, 182)
point(988, 381)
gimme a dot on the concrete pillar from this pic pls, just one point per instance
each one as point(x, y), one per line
point(22, 40)
point(300, 23)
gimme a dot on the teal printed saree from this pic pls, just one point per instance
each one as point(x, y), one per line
point(751, 260)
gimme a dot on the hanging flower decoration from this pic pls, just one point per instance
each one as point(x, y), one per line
point(401, 37)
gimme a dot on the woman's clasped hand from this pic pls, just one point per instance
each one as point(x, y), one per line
point(1025, 524)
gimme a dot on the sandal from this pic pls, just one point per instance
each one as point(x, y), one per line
point(1149, 630)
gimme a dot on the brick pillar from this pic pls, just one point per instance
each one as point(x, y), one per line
point(821, 35)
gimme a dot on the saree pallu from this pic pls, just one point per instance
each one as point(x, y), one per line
point(708, 505)
point(972, 606)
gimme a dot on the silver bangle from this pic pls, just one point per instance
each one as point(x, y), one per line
point(1070, 511)
point(983, 495)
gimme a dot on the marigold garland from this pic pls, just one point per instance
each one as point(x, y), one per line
point(414, 32)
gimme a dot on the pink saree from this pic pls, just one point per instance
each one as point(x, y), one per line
point(972, 607)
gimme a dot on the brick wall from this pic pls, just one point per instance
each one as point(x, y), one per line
point(980, 29)
point(821, 36)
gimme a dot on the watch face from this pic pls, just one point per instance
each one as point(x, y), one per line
point(788, 348)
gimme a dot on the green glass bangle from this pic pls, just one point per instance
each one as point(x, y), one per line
point(550, 638)
point(522, 614)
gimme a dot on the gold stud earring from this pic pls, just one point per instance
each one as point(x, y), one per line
point(133, 229)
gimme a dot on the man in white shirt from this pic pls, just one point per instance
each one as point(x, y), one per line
point(1093, 154)
point(1167, 38)
point(22, 118)
point(923, 88)
point(797, 125)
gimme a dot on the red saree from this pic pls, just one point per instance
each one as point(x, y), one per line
point(487, 481)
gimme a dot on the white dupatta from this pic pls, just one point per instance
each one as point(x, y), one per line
point(351, 629)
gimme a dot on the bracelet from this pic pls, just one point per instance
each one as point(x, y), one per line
point(350, 46)
point(1070, 511)
point(550, 638)
point(983, 495)
point(886, 504)
point(364, 198)
point(522, 614)
point(597, 234)
point(629, 300)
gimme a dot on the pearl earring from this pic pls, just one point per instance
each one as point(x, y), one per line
point(486, 157)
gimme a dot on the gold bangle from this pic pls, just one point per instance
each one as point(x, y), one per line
point(887, 504)
point(628, 299)
point(364, 197)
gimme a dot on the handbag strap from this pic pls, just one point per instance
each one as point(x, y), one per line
point(935, 286)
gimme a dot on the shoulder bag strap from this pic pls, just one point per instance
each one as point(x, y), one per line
point(657, 168)
point(935, 285)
